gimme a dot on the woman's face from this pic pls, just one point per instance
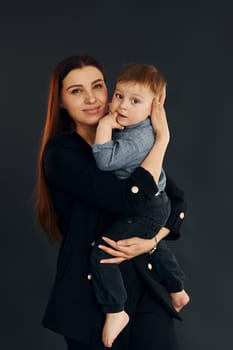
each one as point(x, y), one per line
point(84, 95)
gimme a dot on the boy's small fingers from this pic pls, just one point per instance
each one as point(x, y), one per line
point(111, 110)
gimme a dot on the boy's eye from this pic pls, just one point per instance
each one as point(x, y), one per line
point(135, 101)
point(118, 96)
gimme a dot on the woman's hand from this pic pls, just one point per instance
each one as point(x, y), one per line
point(158, 117)
point(129, 248)
point(154, 160)
point(125, 249)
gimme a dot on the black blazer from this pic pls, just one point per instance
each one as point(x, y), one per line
point(86, 201)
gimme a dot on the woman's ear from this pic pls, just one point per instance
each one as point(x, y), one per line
point(61, 103)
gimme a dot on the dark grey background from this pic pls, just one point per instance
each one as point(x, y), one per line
point(191, 43)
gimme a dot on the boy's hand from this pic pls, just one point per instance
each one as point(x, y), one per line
point(105, 127)
point(111, 120)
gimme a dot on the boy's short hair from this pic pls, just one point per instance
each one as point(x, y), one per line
point(145, 74)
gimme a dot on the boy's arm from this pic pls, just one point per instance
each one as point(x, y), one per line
point(103, 148)
point(113, 155)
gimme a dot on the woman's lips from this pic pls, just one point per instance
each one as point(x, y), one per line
point(93, 110)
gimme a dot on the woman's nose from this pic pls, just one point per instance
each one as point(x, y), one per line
point(90, 97)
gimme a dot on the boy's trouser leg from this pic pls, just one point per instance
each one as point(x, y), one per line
point(170, 273)
point(107, 279)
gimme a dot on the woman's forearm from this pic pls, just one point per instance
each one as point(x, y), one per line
point(154, 160)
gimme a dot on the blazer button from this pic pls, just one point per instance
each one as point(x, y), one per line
point(93, 243)
point(181, 215)
point(89, 277)
point(134, 189)
point(149, 266)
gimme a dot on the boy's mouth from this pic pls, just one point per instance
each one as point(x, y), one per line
point(119, 115)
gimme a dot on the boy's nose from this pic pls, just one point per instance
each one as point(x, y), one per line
point(123, 105)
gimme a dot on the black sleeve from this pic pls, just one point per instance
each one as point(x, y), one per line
point(70, 170)
point(178, 209)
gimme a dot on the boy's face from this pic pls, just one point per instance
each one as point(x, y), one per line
point(132, 102)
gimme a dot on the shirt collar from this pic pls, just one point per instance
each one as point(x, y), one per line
point(145, 122)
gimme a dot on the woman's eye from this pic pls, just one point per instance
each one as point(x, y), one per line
point(119, 96)
point(135, 101)
point(75, 91)
point(98, 86)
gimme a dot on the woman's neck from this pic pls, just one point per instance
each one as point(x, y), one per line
point(87, 132)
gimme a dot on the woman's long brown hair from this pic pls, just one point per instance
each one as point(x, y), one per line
point(57, 122)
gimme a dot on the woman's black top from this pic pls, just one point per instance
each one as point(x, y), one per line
point(86, 201)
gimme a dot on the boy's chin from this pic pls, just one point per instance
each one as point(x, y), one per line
point(121, 120)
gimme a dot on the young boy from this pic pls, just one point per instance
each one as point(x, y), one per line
point(121, 151)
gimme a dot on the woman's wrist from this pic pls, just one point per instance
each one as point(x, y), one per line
point(155, 244)
point(163, 232)
point(162, 141)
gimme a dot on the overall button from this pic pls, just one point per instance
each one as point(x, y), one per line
point(149, 266)
point(89, 277)
point(181, 215)
point(134, 189)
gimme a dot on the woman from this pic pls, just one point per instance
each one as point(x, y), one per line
point(76, 202)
